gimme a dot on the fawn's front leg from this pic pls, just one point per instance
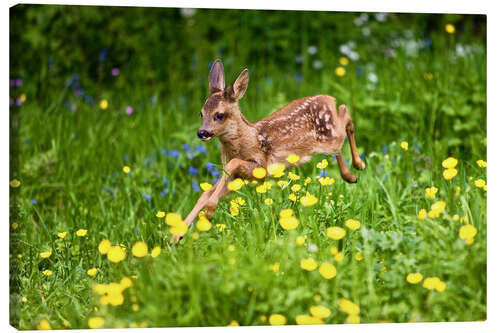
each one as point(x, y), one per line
point(235, 167)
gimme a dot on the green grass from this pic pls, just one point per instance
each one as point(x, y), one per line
point(71, 164)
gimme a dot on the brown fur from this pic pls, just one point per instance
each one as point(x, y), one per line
point(306, 126)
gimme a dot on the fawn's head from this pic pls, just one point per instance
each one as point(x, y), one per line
point(221, 112)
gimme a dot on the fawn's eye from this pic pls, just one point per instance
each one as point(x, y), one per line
point(219, 116)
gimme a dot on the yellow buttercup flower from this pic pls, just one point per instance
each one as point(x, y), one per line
point(303, 319)
point(205, 186)
point(92, 272)
point(261, 189)
point(308, 200)
point(479, 183)
point(104, 246)
point(414, 278)
point(440, 286)
point(155, 252)
point(353, 224)
point(323, 164)
point(140, 249)
point(449, 163)
point(160, 214)
point(47, 272)
point(292, 158)
point(353, 319)
point(295, 187)
point(203, 224)
point(467, 231)
point(277, 319)
point(404, 145)
point(292, 197)
point(449, 28)
point(422, 214)
point(450, 173)
point(325, 181)
point(289, 223)
point(335, 233)
point(286, 212)
point(62, 235)
point(81, 232)
point(173, 219)
point(268, 201)
point(234, 210)
point(96, 322)
point(307, 181)
point(276, 170)
point(348, 307)
point(328, 271)
point(430, 192)
point(293, 176)
point(103, 104)
point(300, 240)
point(358, 256)
point(308, 264)
point(438, 206)
point(259, 173)
point(481, 163)
point(126, 169)
point(338, 257)
point(236, 184)
point(431, 283)
point(275, 267)
point(116, 254)
point(340, 71)
point(125, 282)
point(46, 254)
point(233, 323)
point(15, 183)
point(344, 61)
point(320, 311)
point(43, 325)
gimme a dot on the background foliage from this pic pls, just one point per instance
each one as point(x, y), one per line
point(407, 79)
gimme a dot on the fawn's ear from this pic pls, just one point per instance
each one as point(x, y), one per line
point(216, 81)
point(238, 88)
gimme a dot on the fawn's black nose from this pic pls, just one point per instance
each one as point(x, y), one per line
point(202, 134)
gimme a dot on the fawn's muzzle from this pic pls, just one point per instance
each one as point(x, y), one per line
point(202, 134)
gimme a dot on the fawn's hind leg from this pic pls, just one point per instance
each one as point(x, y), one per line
point(357, 162)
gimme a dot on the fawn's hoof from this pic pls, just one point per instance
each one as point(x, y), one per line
point(350, 178)
point(175, 239)
point(360, 165)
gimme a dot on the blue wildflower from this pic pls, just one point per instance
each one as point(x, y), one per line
point(209, 166)
point(323, 173)
point(298, 77)
point(186, 147)
point(214, 173)
point(163, 151)
point(201, 149)
point(126, 158)
point(174, 153)
point(89, 99)
point(363, 156)
point(193, 171)
point(334, 157)
point(136, 231)
point(165, 181)
point(33, 201)
point(190, 155)
point(146, 196)
point(196, 187)
point(385, 149)
point(102, 55)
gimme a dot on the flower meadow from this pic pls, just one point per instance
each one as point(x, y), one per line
point(104, 167)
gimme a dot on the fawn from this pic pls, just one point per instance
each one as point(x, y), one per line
point(304, 127)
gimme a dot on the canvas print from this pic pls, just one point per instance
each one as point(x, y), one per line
point(208, 167)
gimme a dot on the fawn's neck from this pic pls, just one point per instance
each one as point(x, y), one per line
point(239, 136)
